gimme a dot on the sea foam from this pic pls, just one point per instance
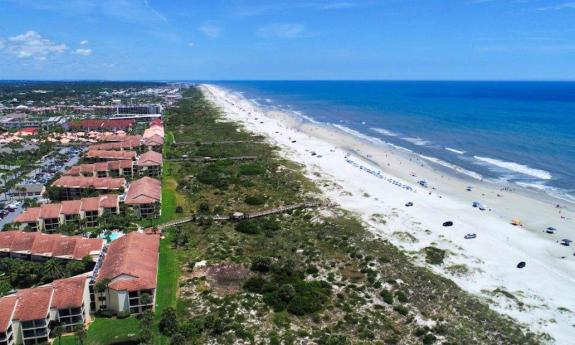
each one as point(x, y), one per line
point(384, 132)
point(416, 141)
point(459, 152)
point(516, 167)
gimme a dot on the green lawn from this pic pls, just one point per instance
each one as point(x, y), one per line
point(106, 331)
point(168, 274)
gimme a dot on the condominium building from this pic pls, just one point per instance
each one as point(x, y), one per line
point(29, 316)
point(130, 268)
point(83, 212)
point(144, 197)
point(74, 187)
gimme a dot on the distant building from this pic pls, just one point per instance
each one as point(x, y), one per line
point(100, 124)
point(27, 191)
point(21, 120)
point(104, 155)
point(115, 168)
point(129, 111)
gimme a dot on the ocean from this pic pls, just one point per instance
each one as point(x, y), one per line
point(511, 132)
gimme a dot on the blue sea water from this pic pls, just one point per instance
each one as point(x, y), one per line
point(519, 132)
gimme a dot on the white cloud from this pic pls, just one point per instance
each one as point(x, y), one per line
point(191, 44)
point(83, 51)
point(281, 30)
point(562, 6)
point(33, 45)
point(83, 42)
point(211, 30)
point(337, 5)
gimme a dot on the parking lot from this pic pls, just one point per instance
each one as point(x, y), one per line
point(56, 162)
point(52, 164)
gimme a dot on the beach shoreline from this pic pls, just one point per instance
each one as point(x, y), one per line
point(370, 179)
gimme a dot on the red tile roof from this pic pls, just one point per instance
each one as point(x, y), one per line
point(132, 262)
point(91, 204)
point(154, 140)
point(50, 211)
point(7, 308)
point(150, 158)
point(146, 190)
point(43, 244)
point(154, 130)
point(90, 182)
point(28, 130)
point(156, 122)
point(71, 207)
point(77, 170)
point(102, 124)
point(129, 142)
point(50, 245)
point(69, 293)
point(34, 303)
point(110, 154)
point(30, 215)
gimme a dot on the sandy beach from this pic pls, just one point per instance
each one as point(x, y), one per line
point(376, 180)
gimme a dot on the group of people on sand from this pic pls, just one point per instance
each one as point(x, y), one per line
point(377, 174)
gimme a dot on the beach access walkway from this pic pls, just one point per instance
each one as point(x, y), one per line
point(241, 216)
point(211, 159)
point(225, 142)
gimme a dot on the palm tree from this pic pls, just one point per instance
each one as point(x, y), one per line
point(80, 334)
point(146, 298)
point(57, 333)
point(53, 269)
point(101, 287)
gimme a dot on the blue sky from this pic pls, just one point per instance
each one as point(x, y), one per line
point(307, 39)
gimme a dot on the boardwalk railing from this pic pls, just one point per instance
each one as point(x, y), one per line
point(225, 142)
point(210, 159)
point(251, 215)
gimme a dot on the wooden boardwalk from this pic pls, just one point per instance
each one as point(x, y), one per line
point(225, 142)
point(211, 159)
point(251, 215)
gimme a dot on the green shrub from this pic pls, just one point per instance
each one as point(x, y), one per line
point(434, 256)
point(255, 284)
point(401, 309)
point(261, 264)
point(401, 296)
point(257, 226)
point(248, 227)
point(255, 200)
point(123, 315)
point(204, 207)
point(106, 313)
point(251, 169)
point(386, 296)
point(311, 269)
point(429, 338)
point(274, 301)
point(286, 292)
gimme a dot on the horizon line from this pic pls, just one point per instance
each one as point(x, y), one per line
point(285, 80)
